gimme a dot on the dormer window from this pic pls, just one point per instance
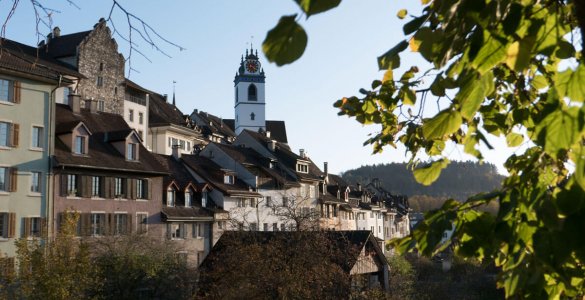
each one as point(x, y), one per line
point(80, 145)
point(228, 179)
point(188, 198)
point(132, 151)
point(171, 196)
point(302, 168)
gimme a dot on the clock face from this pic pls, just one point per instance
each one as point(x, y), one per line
point(252, 66)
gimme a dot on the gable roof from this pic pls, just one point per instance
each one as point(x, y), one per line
point(64, 45)
point(102, 154)
point(211, 124)
point(17, 57)
point(162, 113)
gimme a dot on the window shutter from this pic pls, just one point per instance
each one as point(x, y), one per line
point(27, 227)
point(129, 224)
point(132, 188)
point(16, 92)
point(169, 228)
point(43, 227)
point(110, 224)
point(11, 225)
point(14, 133)
point(182, 229)
point(85, 224)
point(85, 186)
point(108, 187)
point(63, 185)
point(148, 189)
point(13, 179)
point(205, 230)
point(103, 186)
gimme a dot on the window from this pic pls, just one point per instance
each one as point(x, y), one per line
point(196, 230)
point(188, 146)
point(99, 81)
point(98, 220)
point(35, 182)
point(119, 187)
point(253, 227)
point(9, 134)
point(101, 104)
point(101, 66)
point(228, 179)
point(176, 230)
point(236, 94)
point(7, 225)
point(252, 202)
point(80, 145)
point(282, 227)
point(204, 199)
point(140, 118)
point(170, 196)
point(242, 202)
point(274, 226)
point(285, 201)
point(120, 224)
point(66, 93)
point(141, 222)
point(303, 168)
point(265, 226)
point(188, 198)
point(372, 229)
point(141, 134)
point(8, 177)
point(141, 191)
point(182, 144)
point(72, 185)
point(131, 115)
point(131, 151)
point(32, 227)
point(96, 186)
point(268, 201)
point(252, 93)
point(303, 190)
point(37, 137)
point(252, 116)
point(9, 91)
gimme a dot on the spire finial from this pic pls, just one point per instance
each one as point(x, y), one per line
point(174, 103)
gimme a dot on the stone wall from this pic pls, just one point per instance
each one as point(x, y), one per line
point(98, 57)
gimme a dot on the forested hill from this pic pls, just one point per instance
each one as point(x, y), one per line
point(459, 180)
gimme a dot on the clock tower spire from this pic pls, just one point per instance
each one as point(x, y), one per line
point(249, 94)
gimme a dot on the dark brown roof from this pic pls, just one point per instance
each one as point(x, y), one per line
point(162, 113)
point(187, 213)
point(17, 57)
point(211, 124)
point(65, 45)
point(213, 174)
point(277, 129)
point(101, 155)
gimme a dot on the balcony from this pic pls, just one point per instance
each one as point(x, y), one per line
point(135, 99)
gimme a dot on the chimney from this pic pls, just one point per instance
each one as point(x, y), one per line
point(56, 32)
point(166, 97)
point(272, 145)
point(325, 168)
point(302, 153)
point(75, 103)
point(267, 134)
point(359, 187)
point(92, 105)
point(176, 153)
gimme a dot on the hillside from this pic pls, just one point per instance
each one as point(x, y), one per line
point(459, 180)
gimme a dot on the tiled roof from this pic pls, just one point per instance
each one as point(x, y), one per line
point(163, 113)
point(277, 129)
point(211, 124)
point(17, 57)
point(65, 45)
point(213, 174)
point(101, 155)
point(187, 213)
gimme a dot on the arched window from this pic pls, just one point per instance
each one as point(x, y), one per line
point(236, 94)
point(170, 196)
point(252, 116)
point(252, 93)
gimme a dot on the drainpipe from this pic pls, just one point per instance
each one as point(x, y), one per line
point(50, 183)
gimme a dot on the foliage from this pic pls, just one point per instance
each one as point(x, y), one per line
point(138, 266)
point(459, 180)
point(60, 269)
point(402, 278)
point(279, 265)
point(511, 69)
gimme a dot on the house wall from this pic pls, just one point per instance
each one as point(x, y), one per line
point(32, 110)
point(100, 48)
point(158, 140)
point(152, 206)
point(142, 129)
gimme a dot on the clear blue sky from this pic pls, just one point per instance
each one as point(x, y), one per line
point(339, 60)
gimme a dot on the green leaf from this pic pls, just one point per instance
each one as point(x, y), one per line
point(313, 7)
point(491, 53)
point(539, 82)
point(390, 59)
point(571, 84)
point(414, 25)
point(444, 123)
point(430, 173)
point(286, 42)
point(473, 93)
point(518, 54)
point(561, 129)
point(402, 13)
point(514, 139)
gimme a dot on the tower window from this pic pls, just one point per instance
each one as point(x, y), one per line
point(236, 94)
point(252, 116)
point(252, 93)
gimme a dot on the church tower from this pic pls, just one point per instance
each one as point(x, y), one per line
point(249, 94)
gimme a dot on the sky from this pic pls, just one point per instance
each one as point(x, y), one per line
point(339, 60)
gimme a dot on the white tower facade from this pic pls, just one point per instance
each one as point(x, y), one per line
point(250, 104)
